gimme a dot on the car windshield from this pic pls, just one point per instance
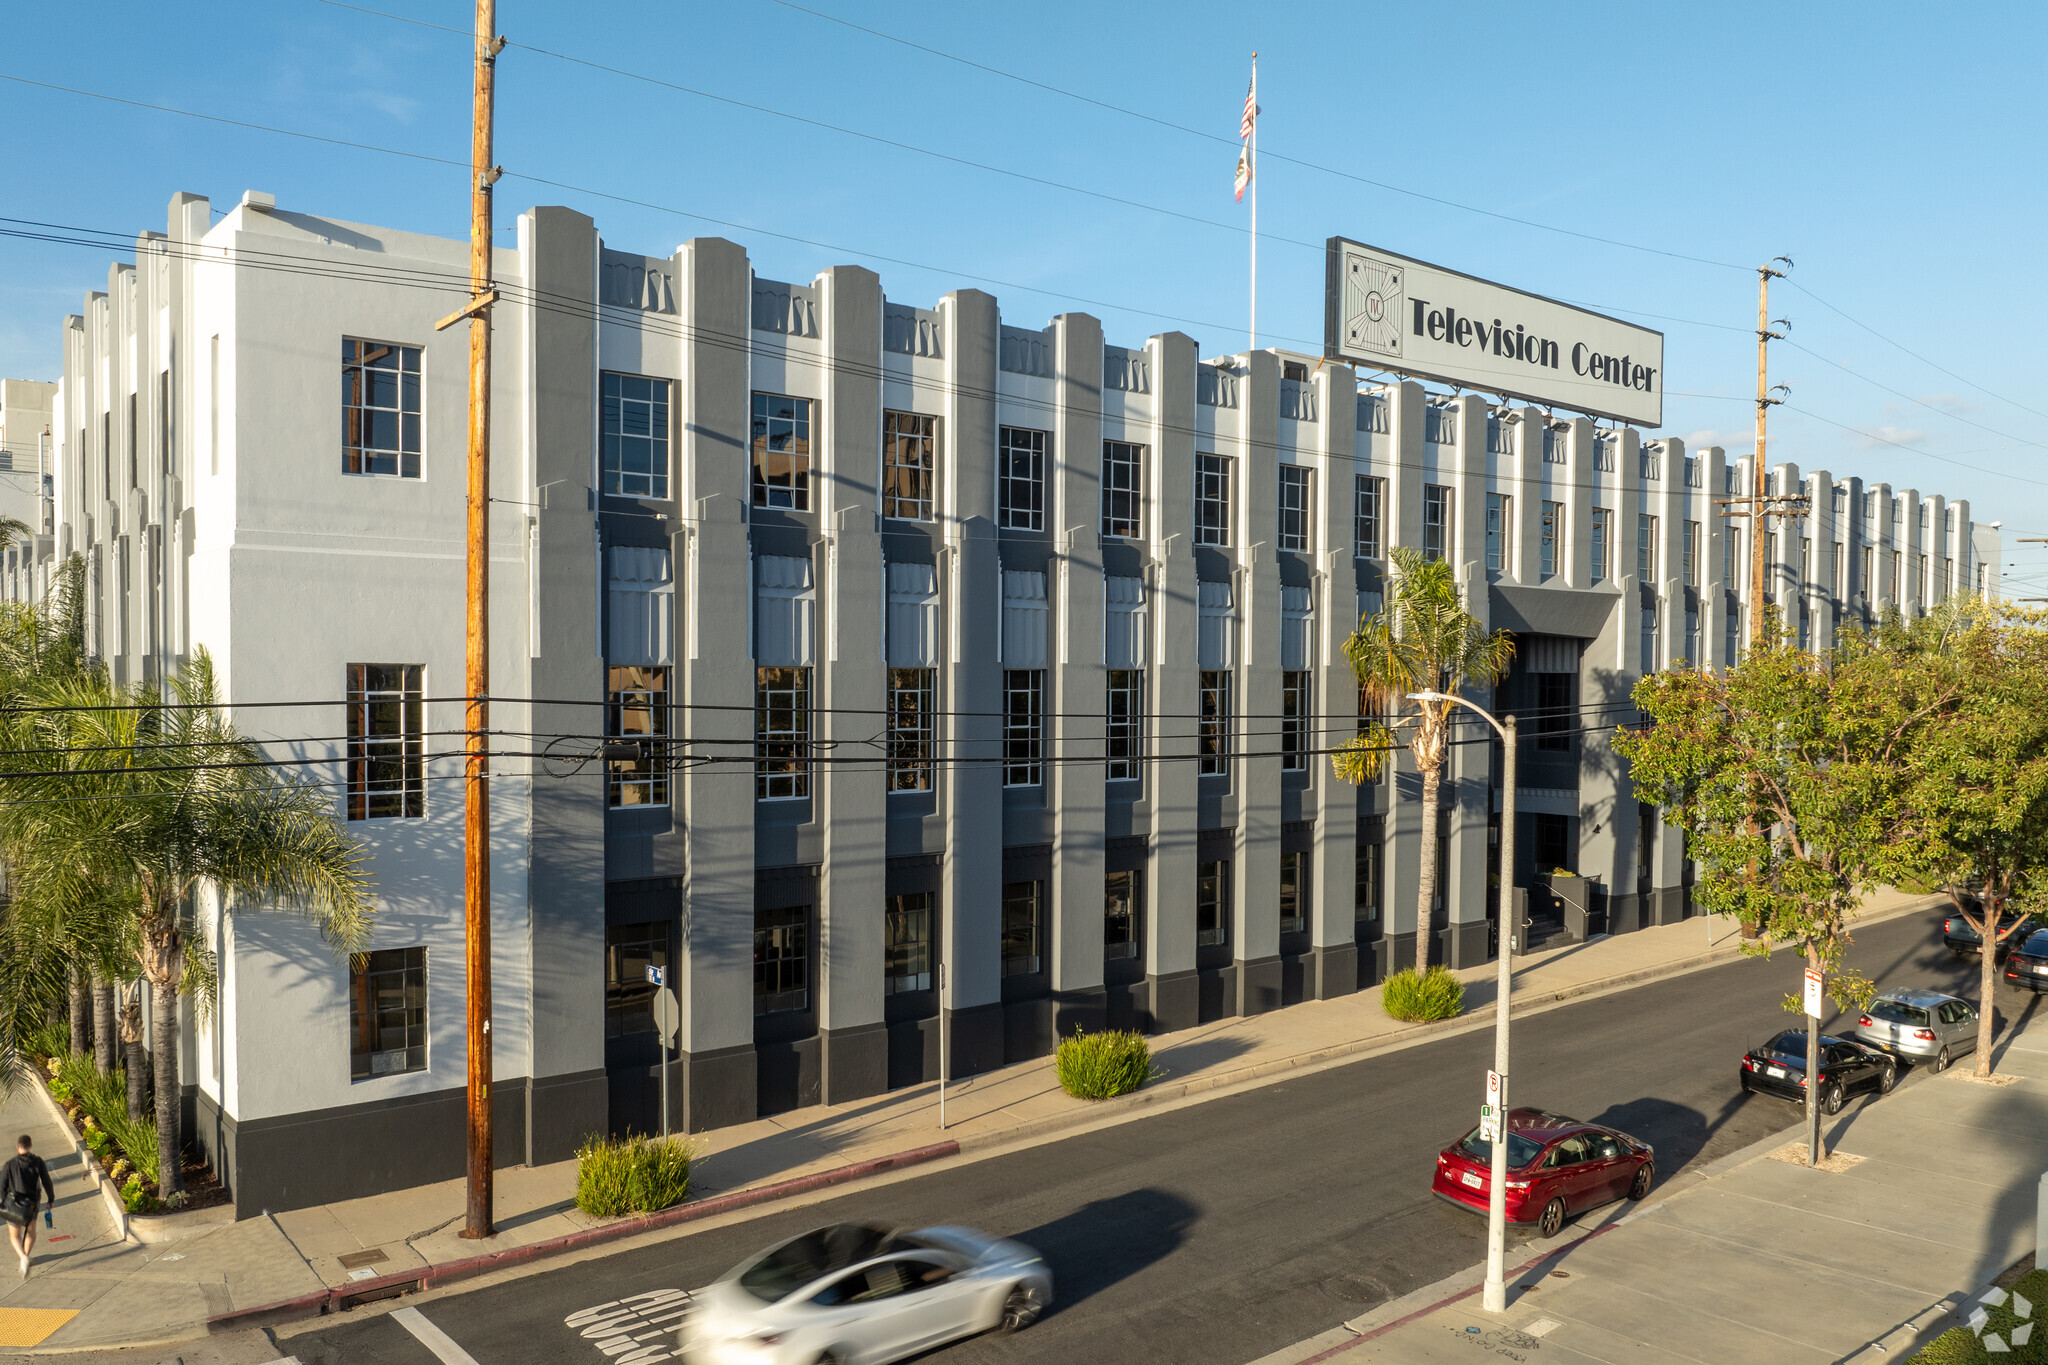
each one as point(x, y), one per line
point(797, 1263)
point(2037, 944)
point(1521, 1151)
point(1789, 1045)
point(1892, 1012)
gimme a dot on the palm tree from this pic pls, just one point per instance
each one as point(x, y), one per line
point(1421, 639)
point(164, 801)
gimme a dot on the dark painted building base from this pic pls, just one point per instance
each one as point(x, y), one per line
point(1396, 951)
point(1128, 1006)
point(1258, 985)
point(561, 1111)
point(1464, 945)
point(719, 1087)
point(1028, 1029)
point(1086, 1008)
point(1176, 1000)
point(1669, 902)
point(1332, 971)
point(854, 1062)
point(788, 1074)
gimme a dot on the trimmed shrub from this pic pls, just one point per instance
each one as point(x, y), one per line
point(631, 1175)
point(100, 1104)
point(1961, 1346)
point(1418, 998)
point(1101, 1066)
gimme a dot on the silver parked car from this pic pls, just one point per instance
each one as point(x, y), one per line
point(862, 1294)
point(1920, 1026)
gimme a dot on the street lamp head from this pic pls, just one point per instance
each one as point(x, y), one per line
point(1426, 695)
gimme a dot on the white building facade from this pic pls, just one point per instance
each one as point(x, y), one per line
point(929, 649)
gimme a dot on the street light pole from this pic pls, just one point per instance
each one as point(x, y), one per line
point(1494, 1298)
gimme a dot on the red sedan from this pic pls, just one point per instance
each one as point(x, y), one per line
point(1556, 1167)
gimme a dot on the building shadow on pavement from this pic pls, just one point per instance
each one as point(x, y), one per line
point(1109, 1240)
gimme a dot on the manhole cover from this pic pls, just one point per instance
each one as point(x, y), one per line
point(1353, 1289)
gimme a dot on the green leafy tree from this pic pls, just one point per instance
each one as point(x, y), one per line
point(1976, 798)
point(1421, 640)
point(1786, 774)
point(164, 801)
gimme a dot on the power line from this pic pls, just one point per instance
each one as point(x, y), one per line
point(1913, 353)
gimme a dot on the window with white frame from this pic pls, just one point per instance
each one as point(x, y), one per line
point(1646, 548)
point(635, 436)
point(1295, 708)
point(1500, 511)
point(1023, 727)
point(1213, 735)
point(1293, 893)
point(1550, 535)
point(1367, 498)
point(1835, 560)
point(1119, 916)
point(1294, 506)
point(782, 733)
point(782, 452)
point(1123, 490)
point(1603, 542)
point(1212, 499)
point(636, 716)
point(380, 412)
point(1020, 493)
point(387, 1012)
point(908, 455)
point(1731, 555)
point(1649, 640)
point(912, 728)
point(386, 765)
point(1125, 724)
point(1439, 536)
point(1021, 929)
point(1212, 904)
point(1689, 553)
point(907, 944)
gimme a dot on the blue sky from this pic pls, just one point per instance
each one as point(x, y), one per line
point(1889, 150)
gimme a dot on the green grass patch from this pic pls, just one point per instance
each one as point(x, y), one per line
point(615, 1176)
point(1100, 1066)
point(1417, 998)
point(1961, 1346)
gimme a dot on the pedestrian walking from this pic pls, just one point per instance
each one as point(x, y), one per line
point(23, 1182)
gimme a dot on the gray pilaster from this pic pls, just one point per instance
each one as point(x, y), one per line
point(1255, 781)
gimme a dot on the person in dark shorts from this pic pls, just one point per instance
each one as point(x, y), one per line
point(23, 1182)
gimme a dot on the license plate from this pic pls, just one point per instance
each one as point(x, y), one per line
point(1471, 1178)
point(1777, 1071)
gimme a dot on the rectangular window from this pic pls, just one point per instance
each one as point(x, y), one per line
point(1646, 548)
point(912, 728)
point(1553, 713)
point(166, 446)
point(1898, 572)
point(636, 714)
point(1365, 878)
point(1212, 904)
point(1438, 536)
point(1120, 916)
point(1294, 506)
point(387, 1012)
point(1866, 586)
point(782, 733)
point(1603, 541)
point(1293, 893)
point(1023, 727)
point(629, 950)
point(782, 452)
point(1020, 929)
point(907, 944)
point(1552, 535)
point(635, 436)
point(782, 959)
point(1368, 497)
point(1294, 721)
point(1771, 566)
point(212, 406)
point(1805, 561)
point(1835, 568)
point(1123, 490)
point(1020, 477)
point(1126, 723)
point(907, 464)
point(1214, 738)
point(1924, 580)
point(1689, 550)
point(1948, 577)
point(1731, 555)
point(386, 768)
point(1649, 641)
point(380, 409)
point(1212, 499)
point(1500, 511)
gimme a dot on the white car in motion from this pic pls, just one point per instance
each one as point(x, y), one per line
point(863, 1294)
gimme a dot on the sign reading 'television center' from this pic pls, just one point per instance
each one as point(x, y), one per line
point(1382, 311)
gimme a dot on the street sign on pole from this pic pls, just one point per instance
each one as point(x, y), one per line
point(1813, 985)
point(667, 1016)
point(655, 975)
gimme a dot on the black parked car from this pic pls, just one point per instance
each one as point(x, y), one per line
point(1962, 939)
point(1778, 1068)
point(2026, 966)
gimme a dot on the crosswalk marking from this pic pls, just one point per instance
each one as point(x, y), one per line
point(432, 1337)
point(636, 1330)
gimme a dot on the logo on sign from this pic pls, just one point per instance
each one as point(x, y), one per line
point(1372, 305)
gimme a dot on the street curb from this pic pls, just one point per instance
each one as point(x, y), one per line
point(337, 1298)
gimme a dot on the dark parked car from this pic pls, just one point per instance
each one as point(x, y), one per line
point(2026, 967)
point(1962, 939)
point(1778, 1068)
point(1557, 1167)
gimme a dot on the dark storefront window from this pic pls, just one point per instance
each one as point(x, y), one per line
point(781, 959)
point(629, 950)
point(1120, 916)
point(907, 944)
point(1021, 922)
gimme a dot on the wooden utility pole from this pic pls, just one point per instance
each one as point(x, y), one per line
point(476, 823)
point(1762, 505)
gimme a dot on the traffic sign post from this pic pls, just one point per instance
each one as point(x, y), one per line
point(1489, 1112)
point(1813, 992)
point(667, 1016)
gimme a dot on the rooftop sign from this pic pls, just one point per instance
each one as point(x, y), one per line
point(1382, 311)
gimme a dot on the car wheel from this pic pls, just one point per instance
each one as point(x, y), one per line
point(1831, 1101)
point(1941, 1060)
point(829, 1358)
point(1889, 1081)
point(1639, 1188)
point(1552, 1222)
point(1022, 1307)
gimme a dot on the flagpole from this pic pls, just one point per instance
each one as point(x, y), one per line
point(1255, 202)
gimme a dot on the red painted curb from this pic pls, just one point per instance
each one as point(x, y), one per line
point(331, 1300)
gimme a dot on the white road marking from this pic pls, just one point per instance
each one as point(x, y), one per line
point(638, 1329)
point(432, 1337)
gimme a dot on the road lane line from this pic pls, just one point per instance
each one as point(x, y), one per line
point(432, 1337)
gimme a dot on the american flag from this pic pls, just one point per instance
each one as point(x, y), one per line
point(1244, 131)
point(1251, 109)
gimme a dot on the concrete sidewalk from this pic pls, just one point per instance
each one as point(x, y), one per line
point(1760, 1258)
point(125, 1294)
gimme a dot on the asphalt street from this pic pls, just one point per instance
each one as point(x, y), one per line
point(1228, 1229)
